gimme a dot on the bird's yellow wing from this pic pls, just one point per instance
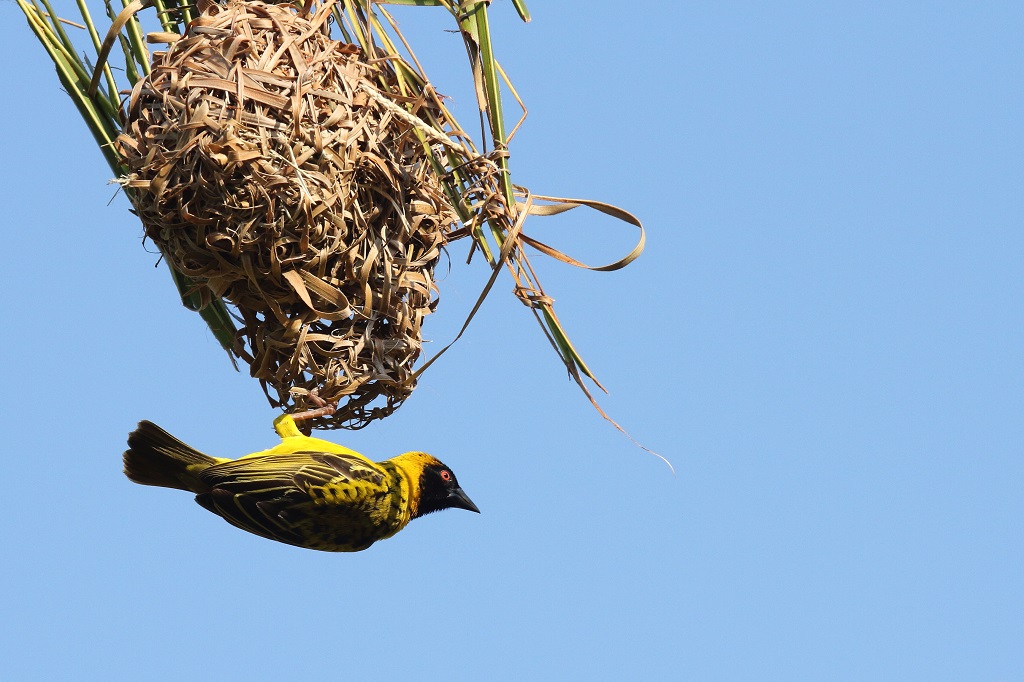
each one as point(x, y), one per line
point(278, 496)
point(301, 469)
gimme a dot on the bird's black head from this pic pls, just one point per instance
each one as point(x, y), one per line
point(439, 490)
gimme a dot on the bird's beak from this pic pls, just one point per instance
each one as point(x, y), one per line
point(460, 500)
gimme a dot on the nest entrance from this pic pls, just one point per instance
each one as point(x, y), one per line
point(264, 169)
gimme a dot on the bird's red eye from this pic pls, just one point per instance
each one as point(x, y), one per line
point(446, 475)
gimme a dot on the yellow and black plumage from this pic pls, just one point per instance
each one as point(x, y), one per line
point(304, 491)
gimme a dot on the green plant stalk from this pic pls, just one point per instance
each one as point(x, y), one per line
point(138, 44)
point(186, 11)
point(524, 13)
point(100, 114)
point(96, 42)
point(70, 74)
point(164, 17)
point(58, 28)
point(475, 22)
point(472, 18)
point(492, 89)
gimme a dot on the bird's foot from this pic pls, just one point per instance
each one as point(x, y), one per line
point(322, 409)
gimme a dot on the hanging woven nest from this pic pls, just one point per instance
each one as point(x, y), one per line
point(266, 164)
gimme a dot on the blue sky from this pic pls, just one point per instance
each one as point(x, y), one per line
point(825, 337)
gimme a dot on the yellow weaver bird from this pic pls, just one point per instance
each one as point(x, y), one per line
point(304, 491)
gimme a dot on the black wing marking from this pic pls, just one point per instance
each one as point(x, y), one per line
point(269, 495)
point(262, 518)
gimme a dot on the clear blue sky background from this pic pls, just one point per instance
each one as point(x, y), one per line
point(825, 336)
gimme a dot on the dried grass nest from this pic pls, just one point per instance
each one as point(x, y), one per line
point(267, 167)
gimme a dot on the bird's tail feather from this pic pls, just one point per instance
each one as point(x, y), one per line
point(155, 457)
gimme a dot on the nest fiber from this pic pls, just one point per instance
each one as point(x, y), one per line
point(265, 162)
